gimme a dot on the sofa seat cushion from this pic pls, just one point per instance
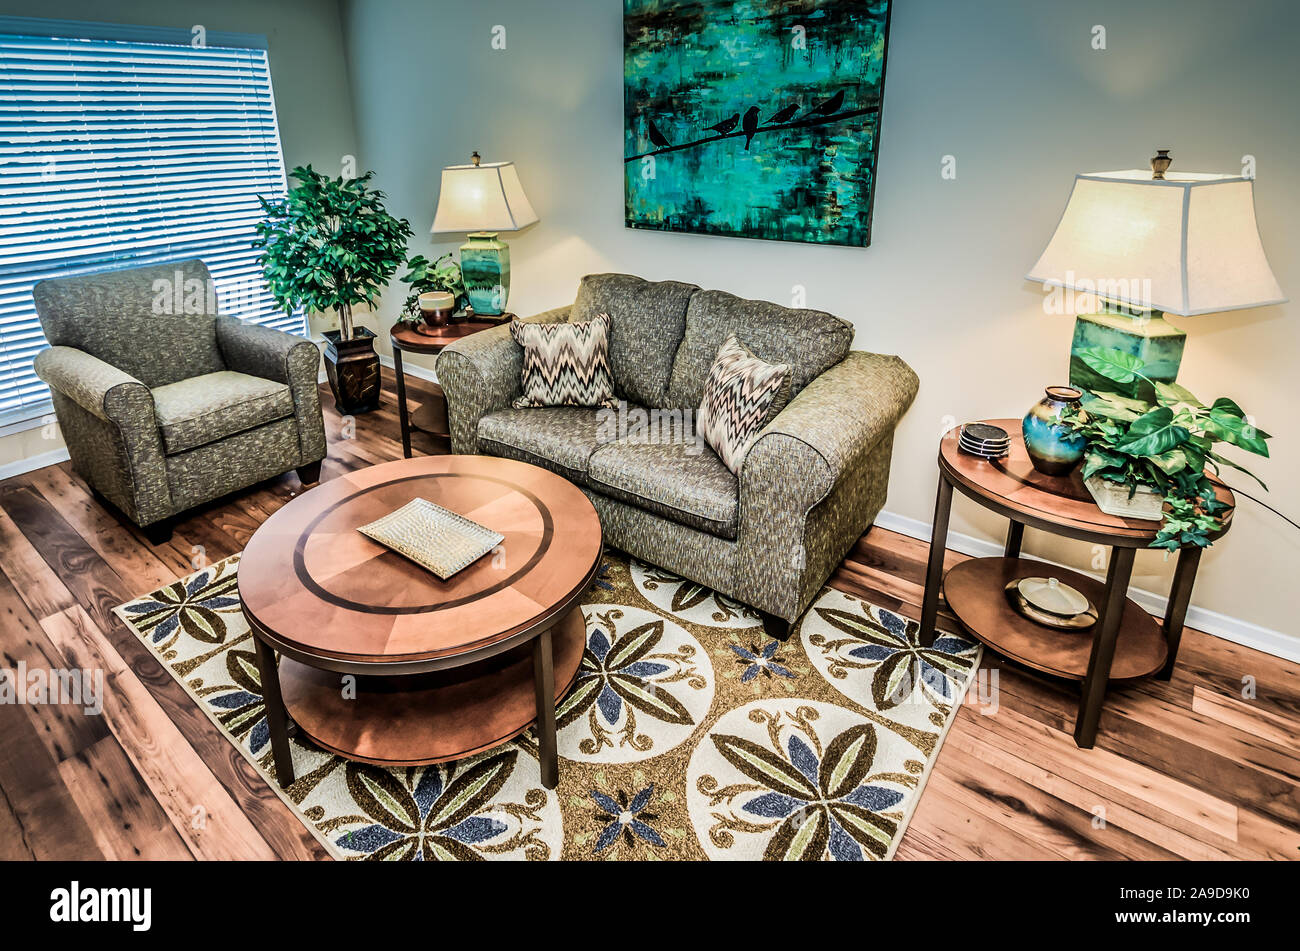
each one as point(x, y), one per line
point(559, 438)
point(810, 341)
point(211, 406)
point(646, 323)
point(683, 481)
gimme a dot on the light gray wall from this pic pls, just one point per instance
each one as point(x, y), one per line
point(1012, 89)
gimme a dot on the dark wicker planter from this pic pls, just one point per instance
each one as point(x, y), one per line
point(353, 370)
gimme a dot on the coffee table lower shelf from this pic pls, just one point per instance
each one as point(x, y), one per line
point(974, 592)
point(415, 720)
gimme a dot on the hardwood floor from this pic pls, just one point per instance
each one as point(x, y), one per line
point(1188, 769)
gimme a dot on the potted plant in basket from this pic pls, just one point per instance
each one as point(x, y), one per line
point(1155, 454)
point(331, 244)
point(425, 276)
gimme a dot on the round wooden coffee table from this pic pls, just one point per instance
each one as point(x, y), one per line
point(383, 662)
point(1124, 643)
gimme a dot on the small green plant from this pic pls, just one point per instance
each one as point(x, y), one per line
point(330, 244)
point(424, 275)
point(1166, 444)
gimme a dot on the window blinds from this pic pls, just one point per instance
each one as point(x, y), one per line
point(117, 152)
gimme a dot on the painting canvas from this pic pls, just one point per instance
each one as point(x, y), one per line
point(754, 118)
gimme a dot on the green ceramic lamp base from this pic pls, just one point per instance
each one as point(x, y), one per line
point(485, 267)
point(1159, 345)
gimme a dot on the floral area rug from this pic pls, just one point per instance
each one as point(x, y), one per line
point(688, 734)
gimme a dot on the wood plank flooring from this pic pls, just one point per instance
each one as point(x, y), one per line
point(1204, 767)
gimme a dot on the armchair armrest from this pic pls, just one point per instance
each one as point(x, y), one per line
point(831, 444)
point(481, 373)
point(108, 421)
point(275, 355)
point(99, 388)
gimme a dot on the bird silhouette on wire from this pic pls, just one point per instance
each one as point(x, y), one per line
point(750, 125)
point(828, 106)
point(726, 125)
point(786, 114)
point(657, 138)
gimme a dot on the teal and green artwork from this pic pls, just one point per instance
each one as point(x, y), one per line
point(753, 118)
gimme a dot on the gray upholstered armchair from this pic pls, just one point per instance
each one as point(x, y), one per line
point(166, 405)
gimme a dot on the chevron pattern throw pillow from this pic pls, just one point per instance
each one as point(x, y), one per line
point(565, 364)
point(739, 396)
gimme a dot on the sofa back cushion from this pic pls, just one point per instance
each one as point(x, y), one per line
point(157, 323)
point(647, 319)
point(809, 341)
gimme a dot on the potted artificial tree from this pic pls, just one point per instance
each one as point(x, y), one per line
point(331, 244)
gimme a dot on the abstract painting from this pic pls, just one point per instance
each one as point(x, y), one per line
point(753, 118)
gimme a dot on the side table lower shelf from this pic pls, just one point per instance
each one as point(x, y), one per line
point(973, 590)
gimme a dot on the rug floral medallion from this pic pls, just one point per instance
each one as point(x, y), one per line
point(688, 733)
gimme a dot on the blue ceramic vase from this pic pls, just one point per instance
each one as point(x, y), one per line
point(1053, 448)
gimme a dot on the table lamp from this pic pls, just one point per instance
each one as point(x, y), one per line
point(1148, 244)
point(483, 200)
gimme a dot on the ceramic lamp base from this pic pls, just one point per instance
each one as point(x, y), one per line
point(485, 267)
point(1159, 345)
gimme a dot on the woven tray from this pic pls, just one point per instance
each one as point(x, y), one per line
point(433, 537)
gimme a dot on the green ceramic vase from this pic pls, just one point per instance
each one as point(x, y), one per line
point(485, 268)
point(1053, 448)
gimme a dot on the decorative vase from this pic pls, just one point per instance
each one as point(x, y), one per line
point(1053, 448)
point(485, 268)
point(352, 367)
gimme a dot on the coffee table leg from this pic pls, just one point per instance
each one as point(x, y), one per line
point(1103, 648)
point(1180, 596)
point(276, 717)
point(401, 402)
point(934, 570)
point(544, 685)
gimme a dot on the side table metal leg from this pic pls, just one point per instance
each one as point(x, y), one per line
point(934, 569)
point(544, 685)
point(1015, 535)
point(276, 716)
point(1103, 647)
point(1180, 596)
point(401, 402)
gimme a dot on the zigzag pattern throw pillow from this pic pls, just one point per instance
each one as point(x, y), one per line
point(738, 398)
point(565, 364)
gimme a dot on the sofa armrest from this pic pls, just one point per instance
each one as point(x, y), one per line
point(481, 373)
point(275, 355)
point(831, 445)
point(100, 388)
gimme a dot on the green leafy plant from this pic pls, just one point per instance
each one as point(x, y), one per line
point(425, 275)
point(330, 244)
point(1166, 445)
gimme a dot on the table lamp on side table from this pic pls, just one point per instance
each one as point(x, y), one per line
point(483, 200)
point(1146, 245)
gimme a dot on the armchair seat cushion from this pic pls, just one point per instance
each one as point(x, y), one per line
point(683, 481)
point(559, 438)
point(202, 409)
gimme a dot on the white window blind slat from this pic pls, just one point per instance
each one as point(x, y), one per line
point(116, 152)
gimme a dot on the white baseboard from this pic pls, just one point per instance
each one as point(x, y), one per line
point(410, 369)
point(31, 463)
point(1232, 629)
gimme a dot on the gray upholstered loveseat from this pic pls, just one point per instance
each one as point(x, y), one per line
point(164, 404)
point(808, 489)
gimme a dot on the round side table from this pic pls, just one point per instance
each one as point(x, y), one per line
point(431, 417)
point(1125, 642)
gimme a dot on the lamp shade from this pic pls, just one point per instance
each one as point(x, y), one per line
point(485, 197)
point(1187, 244)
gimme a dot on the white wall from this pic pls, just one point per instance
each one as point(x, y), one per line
point(1012, 89)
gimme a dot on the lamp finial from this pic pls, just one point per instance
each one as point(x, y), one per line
point(1159, 165)
point(475, 158)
